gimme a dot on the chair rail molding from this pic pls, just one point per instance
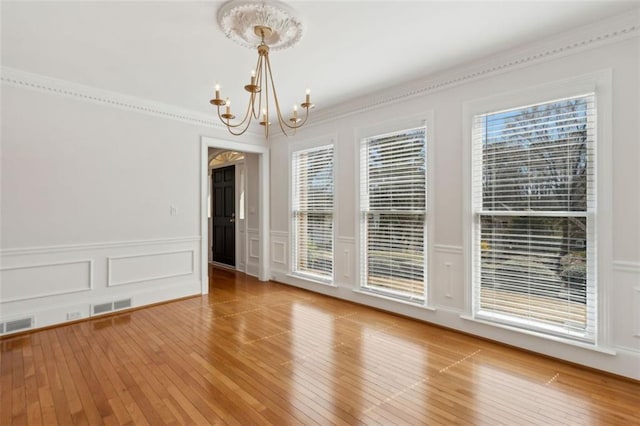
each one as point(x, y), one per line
point(443, 248)
point(626, 266)
point(24, 251)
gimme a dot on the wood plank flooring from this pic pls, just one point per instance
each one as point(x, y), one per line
point(265, 353)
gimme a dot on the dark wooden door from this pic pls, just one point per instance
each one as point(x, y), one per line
point(224, 215)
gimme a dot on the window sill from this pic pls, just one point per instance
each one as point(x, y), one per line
point(312, 279)
point(393, 299)
point(558, 339)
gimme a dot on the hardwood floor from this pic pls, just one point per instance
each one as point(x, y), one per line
point(265, 353)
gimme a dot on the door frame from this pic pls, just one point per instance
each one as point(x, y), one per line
point(207, 142)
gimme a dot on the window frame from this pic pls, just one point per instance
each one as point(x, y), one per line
point(295, 149)
point(425, 119)
point(600, 84)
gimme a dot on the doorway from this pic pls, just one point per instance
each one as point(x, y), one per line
point(259, 242)
point(223, 208)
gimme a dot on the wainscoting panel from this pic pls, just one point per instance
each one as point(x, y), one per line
point(253, 252)
point(447, 277)
point(345, 262)
point(625, 309)
point(636, 305)
point(54, 284)
point(279, 251)
point(149, 266)
point(45, 280)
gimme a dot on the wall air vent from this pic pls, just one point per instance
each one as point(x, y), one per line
point(122, 304)
point(17, 325)
point(103, 308)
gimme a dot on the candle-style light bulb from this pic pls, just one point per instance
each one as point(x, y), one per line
point(228, 105)
point(295, 112)
point(264, 115)
point(308, 96)
point(217, 91)
point(253, 77)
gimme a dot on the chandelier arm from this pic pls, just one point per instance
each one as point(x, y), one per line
point(230, 126)
point(228, 122)
point(253, 95)
point(281, 121)
point(306, 116)
point(267, 70)
point(261, 84)
point(238, 133)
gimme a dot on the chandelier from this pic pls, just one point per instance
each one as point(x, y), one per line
point(246, 22)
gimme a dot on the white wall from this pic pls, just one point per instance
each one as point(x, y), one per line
point(445, 97)
point(252, 218)
point(100, 200)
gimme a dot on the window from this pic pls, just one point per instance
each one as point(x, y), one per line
point(393, 214)
point(312, 207)
point(533, 195)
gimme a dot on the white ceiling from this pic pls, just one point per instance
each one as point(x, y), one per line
point(174, 52)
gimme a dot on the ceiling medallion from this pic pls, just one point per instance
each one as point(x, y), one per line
point(238, 20)
point(265, 26)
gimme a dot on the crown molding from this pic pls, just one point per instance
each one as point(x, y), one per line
point(27, 80)
point(583, 38)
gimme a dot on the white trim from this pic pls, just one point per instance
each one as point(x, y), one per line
point(282, 261)
point(347, 263)
point(308, 145)
point(417, 304)
point(312, 278)
point(599, 82)
point(426, 119)
point(604, 32)
point(90, 246)
point(626, 266)
point(27, 80)
point(110, 260)
point(443, 248)
point(252, 252)
point(279, 234)
point(602, 349)
point(346, 240)
point(429, 122)
point(57, 293)
point(263, 152)
point(636, 312)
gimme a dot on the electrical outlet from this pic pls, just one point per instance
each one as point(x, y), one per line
point(73, 316)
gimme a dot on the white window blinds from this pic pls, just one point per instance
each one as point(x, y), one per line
point(312, 206)
point(534, 201)
point(393, 213)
